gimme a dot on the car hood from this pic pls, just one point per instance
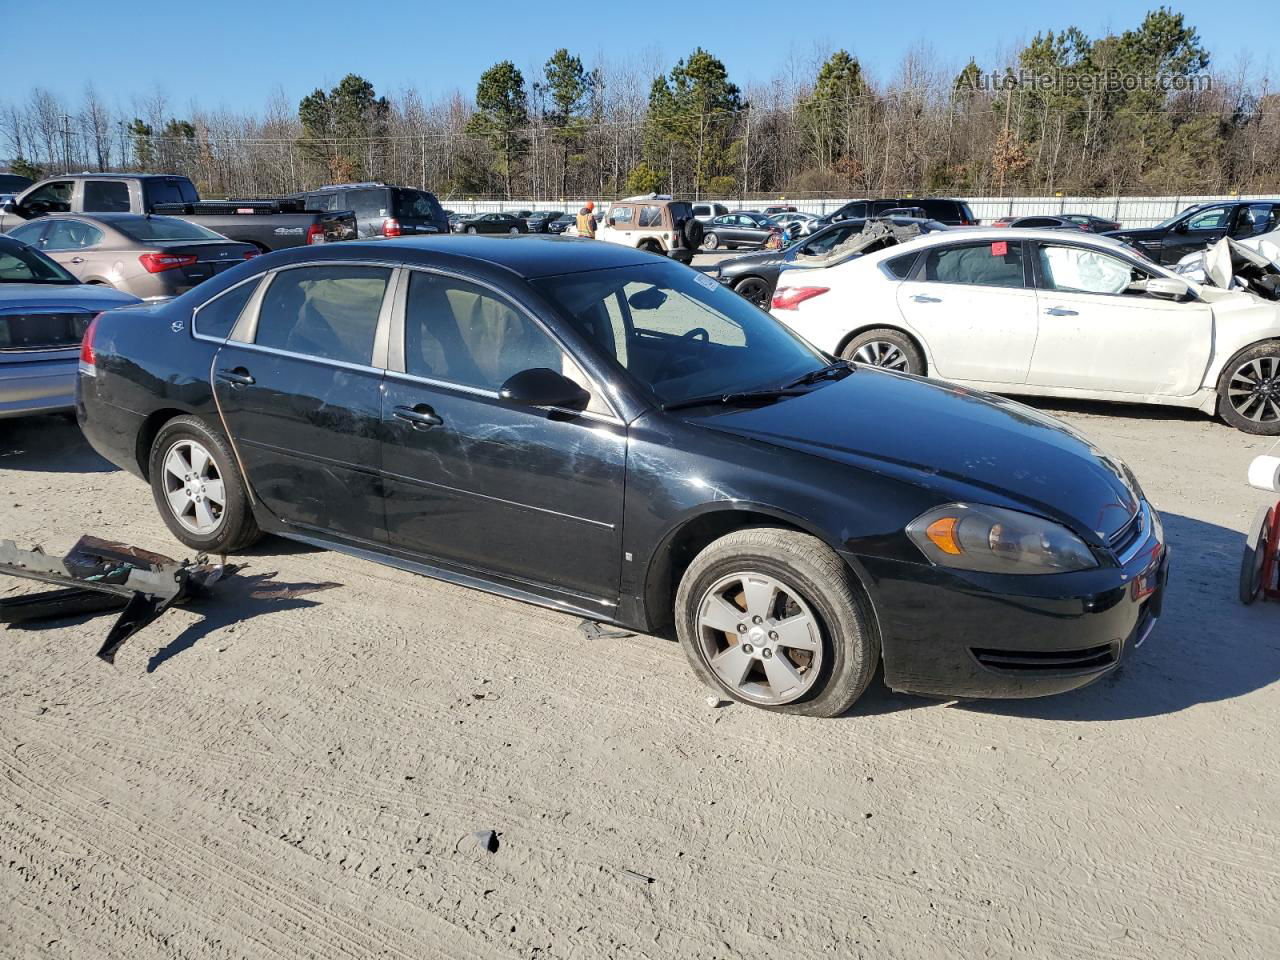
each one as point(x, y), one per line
point(961, 444)
point(85, 296)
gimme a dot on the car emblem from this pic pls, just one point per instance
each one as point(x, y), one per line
point(176, 326)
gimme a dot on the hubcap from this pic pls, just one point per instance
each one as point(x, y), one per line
point(1254, 390)
point(193, 487)
point(760, 638)
point(881, 353)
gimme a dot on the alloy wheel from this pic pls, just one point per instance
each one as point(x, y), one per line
point(882, 353)
point(1254, 390)
point(756, 291)
point(193, 487)
point(760, 638)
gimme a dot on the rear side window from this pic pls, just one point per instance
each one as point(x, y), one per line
point(650, 216)
point(416, 205)
point(71, 235)
point(901, 266)
point(621, 215)
point(368, 203)
point(322, 201)
point(988, 264)
point(218, 317)
point(329, 312)
point(852, 210)
point(106, 196)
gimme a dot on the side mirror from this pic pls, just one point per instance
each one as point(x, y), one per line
point(543, 387)
point(1165, 288)
point(609, 221)
point(10, 206)
point(1181, 227)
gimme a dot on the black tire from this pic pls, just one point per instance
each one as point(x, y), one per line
point(850, 648)
point(710, 242)
point(472, 230)
point(1256, 368)
point(755, 289)
point(693, 232)
point(1255, 548)
point(236, 527)
point(907, 360)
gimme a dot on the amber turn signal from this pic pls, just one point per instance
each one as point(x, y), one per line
point(942, 533)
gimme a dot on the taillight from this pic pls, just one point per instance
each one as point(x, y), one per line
point(250, 254)
point(391, 227)
point(160, 262)
point(788, 298)
point(1001, 223)
point(315, 233)
point(87, 359)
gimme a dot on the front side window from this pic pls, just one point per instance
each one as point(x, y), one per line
point(51, 198)
point(1215, 218)
point(218, 317)
point(622, 215)
point(677, 334)
point(988, 264)
point(329, 312)
point(71, 235)
point(1081, 270)
point(23, 264)
point(106, 196)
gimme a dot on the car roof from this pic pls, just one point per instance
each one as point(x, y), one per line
point(984, 234)
point(527, 256)
point(109, 218)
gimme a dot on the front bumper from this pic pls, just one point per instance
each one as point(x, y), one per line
point(954, 634)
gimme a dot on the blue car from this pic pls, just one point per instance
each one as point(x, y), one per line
point(44, 312)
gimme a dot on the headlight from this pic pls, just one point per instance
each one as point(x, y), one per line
point(995, 540)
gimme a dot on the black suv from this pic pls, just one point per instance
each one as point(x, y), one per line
point(954, 213)
point(1197, 227)
point(382, 210)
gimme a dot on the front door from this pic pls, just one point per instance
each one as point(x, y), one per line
point(302, 400)
point(1097, 335)
point(531, 495)
point(1200, 230)
point(974, 309)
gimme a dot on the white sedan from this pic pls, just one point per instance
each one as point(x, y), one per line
point(1044, 313)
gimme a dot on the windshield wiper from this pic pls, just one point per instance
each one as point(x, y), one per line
point(831, 371)
point(733, 399)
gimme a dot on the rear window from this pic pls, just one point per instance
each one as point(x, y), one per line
point(150, 229)
point(171, 190)
point(417, 205)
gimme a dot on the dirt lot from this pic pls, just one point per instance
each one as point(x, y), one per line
point(297, 769)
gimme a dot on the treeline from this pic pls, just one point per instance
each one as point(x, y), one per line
point(1139, 112)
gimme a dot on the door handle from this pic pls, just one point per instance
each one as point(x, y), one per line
point(77, 259)
point(421, 417)
point(1061, 312)
point(239, 377)
point(921, 298)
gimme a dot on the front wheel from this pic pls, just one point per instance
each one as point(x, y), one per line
point(1249, 389)
point(770, 618)
point(755, 290)
point(710, 242)
point(1253, 562)
point(886, 348)
point(198, 489)
point(472, 230)
point(514, 230)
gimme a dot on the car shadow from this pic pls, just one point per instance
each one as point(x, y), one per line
point(1102, 408)
point(48, 445)
point(1207, 647)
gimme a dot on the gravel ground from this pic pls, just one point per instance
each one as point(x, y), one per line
point(297, 769)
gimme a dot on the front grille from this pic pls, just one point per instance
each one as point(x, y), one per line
point(1126, 536)
point(1047, 661)
point(42, 331)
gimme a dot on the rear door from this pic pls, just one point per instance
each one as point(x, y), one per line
point(371, 209)
point(71, 243)
point(533, 495)
point(299, 390)
point(1096, 335)
point(974, 307)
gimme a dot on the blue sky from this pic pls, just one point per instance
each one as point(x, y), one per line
point(223, 55)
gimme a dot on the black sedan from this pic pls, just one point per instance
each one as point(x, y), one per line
point(562, 223)
point(551, 421)
point(492, 223)
point(754, 275)
point(745, 228)
point(540, 221)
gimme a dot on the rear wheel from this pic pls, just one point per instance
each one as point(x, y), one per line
point(514, 230)
point(198, 489)
point(886, 348)
point(755, 290)
point(1255, 555)
point(770, 618)
point(471, 230)
point(1249, 389)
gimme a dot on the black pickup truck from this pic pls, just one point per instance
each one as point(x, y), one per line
point(267, 224)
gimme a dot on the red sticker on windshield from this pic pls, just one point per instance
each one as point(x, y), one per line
point(1000, 248)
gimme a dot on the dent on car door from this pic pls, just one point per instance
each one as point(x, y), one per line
point(532, 495)
point(299, 391)
point(1101, 333)
point(974, 309)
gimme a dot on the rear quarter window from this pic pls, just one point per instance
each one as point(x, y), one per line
point(217, 317)
point(900, 267)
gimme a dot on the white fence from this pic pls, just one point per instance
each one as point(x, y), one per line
point(1129, 211)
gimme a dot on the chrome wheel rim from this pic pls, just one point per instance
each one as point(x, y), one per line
point(760, 638)
point(514, 230)
point(882, 353)
point(1254, 390)
point(193, 487)
point(711, 241)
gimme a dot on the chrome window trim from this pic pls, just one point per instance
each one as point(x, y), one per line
point(324, 361)
point(396, 352)
point(195, 314)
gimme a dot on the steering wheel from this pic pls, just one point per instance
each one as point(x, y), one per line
point(695, 333)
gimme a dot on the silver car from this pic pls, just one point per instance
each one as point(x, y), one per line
point(151, 257)
point(44, 312)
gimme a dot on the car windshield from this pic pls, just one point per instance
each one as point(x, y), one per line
point(150, 229)
point(21, 264)
point(677, 333)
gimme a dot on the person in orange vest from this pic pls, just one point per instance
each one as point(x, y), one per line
point(587, 221)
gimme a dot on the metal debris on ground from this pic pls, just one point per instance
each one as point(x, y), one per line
point(598, 631)
point(98, 575)
point(637, 877)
